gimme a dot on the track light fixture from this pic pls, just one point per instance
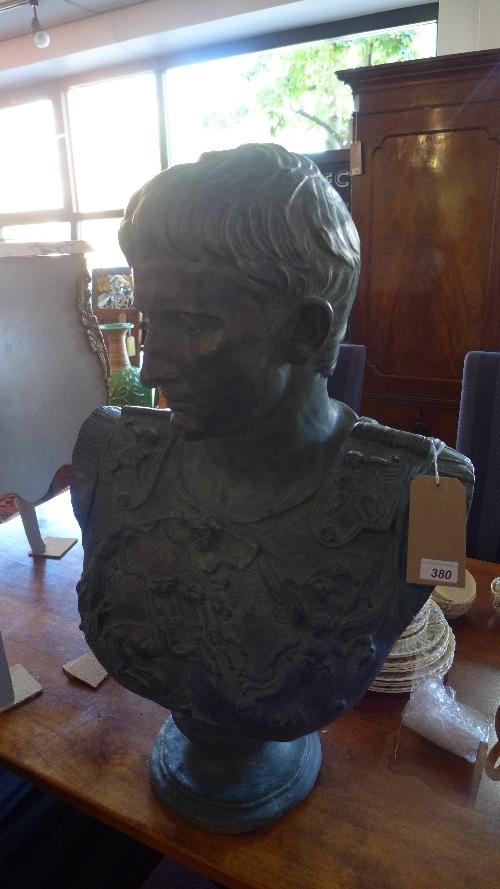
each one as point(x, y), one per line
point(40, 38)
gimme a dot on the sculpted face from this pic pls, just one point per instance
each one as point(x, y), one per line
point(205, 348)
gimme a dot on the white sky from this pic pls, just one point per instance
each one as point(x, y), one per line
point(193, 91)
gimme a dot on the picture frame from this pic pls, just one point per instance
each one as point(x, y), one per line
point(112, 288)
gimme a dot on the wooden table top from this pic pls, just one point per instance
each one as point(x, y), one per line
point(415, 817)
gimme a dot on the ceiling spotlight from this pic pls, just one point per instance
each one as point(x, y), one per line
point(40, 38)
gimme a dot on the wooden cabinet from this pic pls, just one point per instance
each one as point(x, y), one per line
point(427, 207)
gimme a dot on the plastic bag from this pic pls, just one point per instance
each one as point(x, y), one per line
point(433, 712)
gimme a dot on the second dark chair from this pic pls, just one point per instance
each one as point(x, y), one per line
point(346, 382)
point(479, 439)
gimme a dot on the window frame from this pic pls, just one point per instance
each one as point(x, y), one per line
point(56, 91)
point(376, 21)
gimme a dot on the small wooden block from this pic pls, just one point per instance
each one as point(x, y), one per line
point(7, 696)
point(25, 687)
point(87, 669)
point(55, 547)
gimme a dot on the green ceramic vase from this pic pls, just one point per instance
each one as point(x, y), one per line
point(124, 383)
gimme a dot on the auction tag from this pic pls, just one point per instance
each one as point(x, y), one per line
point(432, 569)
point(355, 158)
point(436, 532)
point(130, 346)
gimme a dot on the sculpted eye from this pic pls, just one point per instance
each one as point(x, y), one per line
point(199, 324)
point(191, 324)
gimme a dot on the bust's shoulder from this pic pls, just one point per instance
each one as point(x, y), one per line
point(109, 443)
point(124, 426)
point(418, 451)
point(367, 483)
point(105, 421)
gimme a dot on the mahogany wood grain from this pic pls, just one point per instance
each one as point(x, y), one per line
point(427, 209)
point(427, 82)
point(437, 417)
point(390, 810)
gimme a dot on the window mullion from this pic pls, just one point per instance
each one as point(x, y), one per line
point(162, 123)
point(66, 154)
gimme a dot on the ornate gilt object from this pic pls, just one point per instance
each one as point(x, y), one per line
point(90, 321)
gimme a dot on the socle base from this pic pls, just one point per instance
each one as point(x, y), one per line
point(232, 787)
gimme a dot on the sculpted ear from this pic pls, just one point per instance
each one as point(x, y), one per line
point(309, 327)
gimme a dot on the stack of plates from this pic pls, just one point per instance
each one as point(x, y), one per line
point(426, 648)
point(495, 595)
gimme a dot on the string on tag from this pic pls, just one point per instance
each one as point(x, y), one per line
point(435, 459)
point(397, 739)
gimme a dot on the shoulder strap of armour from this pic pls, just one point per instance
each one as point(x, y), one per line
point(93, 438)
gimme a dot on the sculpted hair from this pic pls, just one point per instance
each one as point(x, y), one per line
point(265, 215)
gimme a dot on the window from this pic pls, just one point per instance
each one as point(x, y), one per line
point(114, 127)
point(114, 135)
point(289, 95)
point(102, 236)
point(39, 231)
point(30, 176)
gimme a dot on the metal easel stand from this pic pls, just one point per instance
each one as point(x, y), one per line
point(45, 548)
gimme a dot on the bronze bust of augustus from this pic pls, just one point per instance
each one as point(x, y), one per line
point(245, 550)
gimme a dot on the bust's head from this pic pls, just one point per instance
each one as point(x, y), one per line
point(257, 229)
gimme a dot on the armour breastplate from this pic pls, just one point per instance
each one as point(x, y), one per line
point(271, 625)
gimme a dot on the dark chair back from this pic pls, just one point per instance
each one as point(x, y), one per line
point(346, 382)
point(479, 439)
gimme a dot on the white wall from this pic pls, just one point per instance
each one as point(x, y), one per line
point(468, 25)
point(489, 24)
point(125, 35)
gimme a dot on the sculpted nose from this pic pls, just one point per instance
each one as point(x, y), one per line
point(158, 365)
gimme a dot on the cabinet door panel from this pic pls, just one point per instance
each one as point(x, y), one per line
point(430, 243)
point(427, 211)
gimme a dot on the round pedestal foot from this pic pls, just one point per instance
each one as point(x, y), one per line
point(232, 787)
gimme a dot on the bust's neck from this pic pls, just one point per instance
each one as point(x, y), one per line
point(271, 457)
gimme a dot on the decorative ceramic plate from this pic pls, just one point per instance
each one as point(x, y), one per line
point(421, 659)
point(387, 684)
point(455, 601)
point(427, 638)
point(418, 621)
point(416, 668)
